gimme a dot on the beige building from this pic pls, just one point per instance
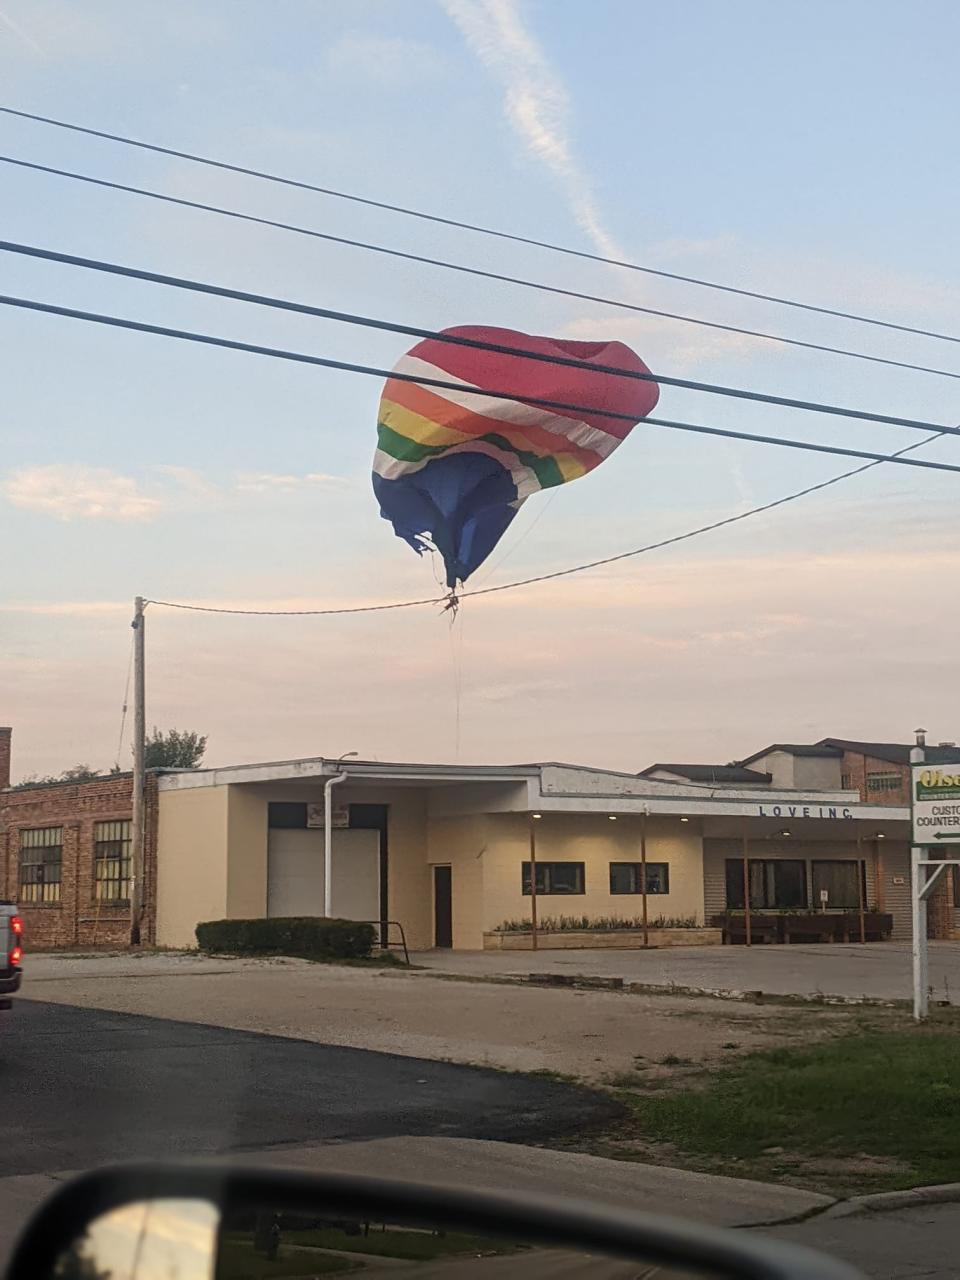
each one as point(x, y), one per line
point(446, 850)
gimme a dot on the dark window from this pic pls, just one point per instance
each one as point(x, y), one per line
point(280, 813)
point(627, 877)
point(955, 872)
point(775, 884)
point(845, 782)
point(886, 781)
point(839, 878)
point(41, 864)
point(111, 861)
point(555, 877)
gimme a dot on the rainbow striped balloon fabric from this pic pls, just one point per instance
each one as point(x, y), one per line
point(453, 467)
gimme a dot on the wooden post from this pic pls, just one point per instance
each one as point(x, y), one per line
point(137, 824)
point(879, 887)
point(533, 884)
point(860, 879)
point(746, 890)
point(643, 874)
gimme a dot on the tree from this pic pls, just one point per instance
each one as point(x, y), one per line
point(79, 773)
point(174, 749)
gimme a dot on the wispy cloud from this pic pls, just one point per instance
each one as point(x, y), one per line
point(25, 36)
point(71, 491)
point(75, 492)
point(536, 102)
point(272, 482)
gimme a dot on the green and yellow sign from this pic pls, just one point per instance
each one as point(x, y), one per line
point(935, 797)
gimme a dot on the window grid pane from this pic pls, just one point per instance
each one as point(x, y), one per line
point(554, 878)
point(41, 863)
point(627, 877)
point(111, 861)
point(776, 884)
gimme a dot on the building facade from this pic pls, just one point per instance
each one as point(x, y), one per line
point(446, 850)
point(65, 857)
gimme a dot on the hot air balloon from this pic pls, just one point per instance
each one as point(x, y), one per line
point(453, 467)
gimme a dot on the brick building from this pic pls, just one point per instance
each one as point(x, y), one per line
point(65, 857)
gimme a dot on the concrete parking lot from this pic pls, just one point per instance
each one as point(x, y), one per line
point(593, 1035)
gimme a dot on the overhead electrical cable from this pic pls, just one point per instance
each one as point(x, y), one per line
point(351, 318)
point(620, 304)
point(558, 573)
point(299, 357)
point(462, 225)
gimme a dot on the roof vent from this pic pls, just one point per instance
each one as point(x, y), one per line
point(946, 744)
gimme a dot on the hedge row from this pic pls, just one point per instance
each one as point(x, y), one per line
point(314, 937)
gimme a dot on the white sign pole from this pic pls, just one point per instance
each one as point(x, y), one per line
point(918, 903)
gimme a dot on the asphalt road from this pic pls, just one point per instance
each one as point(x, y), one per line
point(80, 1087)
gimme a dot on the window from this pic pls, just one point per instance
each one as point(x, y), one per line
point(555, 877)
point(775, 884)
point(627, 877)
point(845, 782)
point(111, 861)
point(41, 863)
point(839, 878)
point(887, 781)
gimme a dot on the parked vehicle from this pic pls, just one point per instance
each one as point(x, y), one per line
point(11, 953)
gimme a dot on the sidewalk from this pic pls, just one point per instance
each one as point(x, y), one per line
point(500, 1166)
point(878, 971)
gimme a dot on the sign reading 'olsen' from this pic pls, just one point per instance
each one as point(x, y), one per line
point(935, 797)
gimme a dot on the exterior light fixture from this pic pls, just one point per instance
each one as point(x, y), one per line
point(684, 819)
point(784, 832)
point(536, 815)
point(611, 817)
point(881, 835)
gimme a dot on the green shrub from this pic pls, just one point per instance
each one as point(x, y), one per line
point(313, 937)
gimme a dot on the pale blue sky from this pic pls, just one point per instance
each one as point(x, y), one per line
point(797, 148)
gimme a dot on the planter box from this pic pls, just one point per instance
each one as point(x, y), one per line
point(584, 939)
point(806, 926)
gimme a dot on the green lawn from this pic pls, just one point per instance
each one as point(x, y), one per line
point(237, 1260)
point(412, 1245)
point(892, 1096)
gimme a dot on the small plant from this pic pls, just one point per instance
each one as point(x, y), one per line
point(596, 924)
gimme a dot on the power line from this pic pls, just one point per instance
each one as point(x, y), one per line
point(325, 362)
point(540, 286)
point(465, 226)
point(561, 573)
point(347, 317)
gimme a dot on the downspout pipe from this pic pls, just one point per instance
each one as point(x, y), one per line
point(340, 776)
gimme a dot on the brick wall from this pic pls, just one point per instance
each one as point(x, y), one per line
point(77, 920)
point(5, 743)
point(856, 767)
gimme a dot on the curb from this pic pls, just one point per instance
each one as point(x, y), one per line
point(888, 1201)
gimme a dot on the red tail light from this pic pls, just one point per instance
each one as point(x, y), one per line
point(16, 955)
point(16, 924)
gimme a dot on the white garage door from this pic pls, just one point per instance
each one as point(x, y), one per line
point(295, 874)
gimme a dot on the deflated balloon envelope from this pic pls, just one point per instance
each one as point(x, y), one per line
point(453, 467)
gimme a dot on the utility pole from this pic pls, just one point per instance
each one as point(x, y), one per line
point(534, 926)
point(138, 825)
point(918, 901)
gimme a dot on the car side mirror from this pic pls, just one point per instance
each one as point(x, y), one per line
point(224, 1222)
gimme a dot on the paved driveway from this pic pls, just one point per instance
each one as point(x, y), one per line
point(879, 970)
point(85, 1086)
